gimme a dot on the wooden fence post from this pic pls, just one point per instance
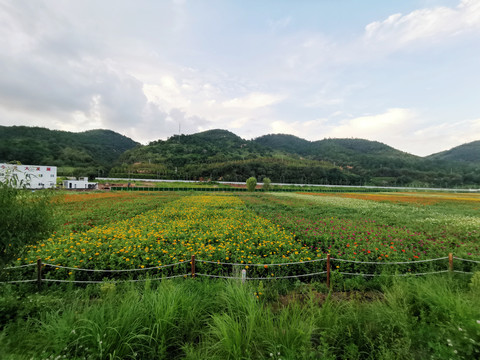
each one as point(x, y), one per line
point(39, 273)
point(244, 276)
point(193, 266)
point(450, 261)
point(328, 271)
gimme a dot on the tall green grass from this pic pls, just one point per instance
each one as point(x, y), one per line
point(415, 318)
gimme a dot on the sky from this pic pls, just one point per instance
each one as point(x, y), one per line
point(405, 73)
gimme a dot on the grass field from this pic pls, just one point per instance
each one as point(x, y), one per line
point(359, 317)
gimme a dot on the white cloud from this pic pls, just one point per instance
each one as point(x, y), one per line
point(151, 68)
point(207, 96)
point(252, 101)
point(376, 126)
point(444, 136)
point(310, 130)
point(391, 127)
point(430, 24)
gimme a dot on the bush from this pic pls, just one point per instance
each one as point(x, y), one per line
point(25, 217)
point(251, 183)
point(267, 184)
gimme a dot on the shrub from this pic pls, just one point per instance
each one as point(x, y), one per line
point(267, 184)
point(251, 183)
point(25, 217)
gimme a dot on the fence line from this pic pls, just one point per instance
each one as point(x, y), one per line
point(18, 267)
point(17, 281)
point(328, 260)
point(113, 281)
point(474, 261)
point(406, 274)
point(246, 264)
point(261, 278)
point(462, 272)
point(393, 262)
point(115, 270)
point(262, 265)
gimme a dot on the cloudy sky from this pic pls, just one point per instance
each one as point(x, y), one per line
point(406, 73)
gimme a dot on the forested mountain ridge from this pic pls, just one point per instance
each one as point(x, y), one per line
point(222, 155)
point(468, 153)
point(85, 153)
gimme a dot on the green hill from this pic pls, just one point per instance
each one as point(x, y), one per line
point(205, 147)
point(468, 153)
point(222, 155)
point(86, 153)
point(285, 143)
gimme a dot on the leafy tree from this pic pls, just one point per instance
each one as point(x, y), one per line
point(25, 217)
point(267, 184)
point(251, 183)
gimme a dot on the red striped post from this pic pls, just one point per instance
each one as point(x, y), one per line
point(193, 266)
point(328, 271)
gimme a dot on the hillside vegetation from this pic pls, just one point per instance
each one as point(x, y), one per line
point(221, 155)
point(468, 153)
point(86, 153)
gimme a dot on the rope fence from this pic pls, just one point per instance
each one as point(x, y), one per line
point(408, 274)
point(260, 278)
point(113, 270)
point(392, 262)
point(39, 266)
point(473, 261)
point(275, 264)
point(18, 267)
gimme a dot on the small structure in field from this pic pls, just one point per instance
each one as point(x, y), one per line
point(29, 176)
point(81, 183)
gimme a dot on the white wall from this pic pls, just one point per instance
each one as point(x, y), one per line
point(79, 184)
point(30, 176)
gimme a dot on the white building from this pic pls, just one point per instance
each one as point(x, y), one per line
point(81, 183)
point(29, 176)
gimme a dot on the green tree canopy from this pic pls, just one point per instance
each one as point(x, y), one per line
point(267, 184)
point(251, 183)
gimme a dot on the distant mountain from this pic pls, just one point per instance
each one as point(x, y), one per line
point(331, 148)
point(95, 150)
point(222, 155)
point(344, 152)
point(357, 146)
point(204, 147)
point(285, 143)
point(468, 153)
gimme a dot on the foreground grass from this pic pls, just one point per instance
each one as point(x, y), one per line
point(384, 318)
point(436, 317)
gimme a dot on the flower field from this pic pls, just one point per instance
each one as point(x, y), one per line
point(375, 230)
point(408, 197)
point(83, 211)
point(214, 228)
point(132, 230)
